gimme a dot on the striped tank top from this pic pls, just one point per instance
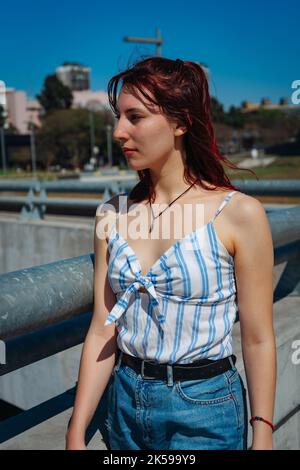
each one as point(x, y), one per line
point(187, 308)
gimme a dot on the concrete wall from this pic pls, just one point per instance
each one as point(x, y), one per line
point(30, 243)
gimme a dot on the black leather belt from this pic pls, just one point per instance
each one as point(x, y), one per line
point(202, 369)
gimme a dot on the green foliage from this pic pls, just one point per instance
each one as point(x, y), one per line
point(64, 137)
point(266, 118)
point(269, 122)
point(2, 117)
point(20, 156)
point(10, 129)
point(217, 110)
point(235, 118)
point(55, 95)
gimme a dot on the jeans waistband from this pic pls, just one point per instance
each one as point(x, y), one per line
point(202, 369)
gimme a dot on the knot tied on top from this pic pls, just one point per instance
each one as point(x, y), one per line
point(141, 284)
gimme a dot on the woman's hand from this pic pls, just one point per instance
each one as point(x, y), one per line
point(74, 442)
point(263, 447)
point(263, 443)
point(262, 436)
point(75, 445)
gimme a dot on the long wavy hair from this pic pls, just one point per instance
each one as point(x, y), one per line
point(180, 89)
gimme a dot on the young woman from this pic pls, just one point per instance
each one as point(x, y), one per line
point(166, 294)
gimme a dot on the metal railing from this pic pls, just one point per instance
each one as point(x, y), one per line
point(68, 186)
point(34, 205)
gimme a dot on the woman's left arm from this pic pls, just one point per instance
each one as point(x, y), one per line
point(254, 261)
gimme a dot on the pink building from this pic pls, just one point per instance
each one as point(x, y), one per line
point(20, 110)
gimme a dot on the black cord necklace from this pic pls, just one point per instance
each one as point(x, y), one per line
point(155, 217)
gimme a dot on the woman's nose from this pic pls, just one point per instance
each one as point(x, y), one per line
point(120, 132)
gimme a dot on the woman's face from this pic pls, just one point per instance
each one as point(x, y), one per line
point(148, 132)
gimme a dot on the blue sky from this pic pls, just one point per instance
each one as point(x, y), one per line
point(251, 47)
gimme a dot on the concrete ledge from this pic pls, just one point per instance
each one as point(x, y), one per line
point(42, 241)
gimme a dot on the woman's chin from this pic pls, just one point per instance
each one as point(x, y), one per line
point(135, 165)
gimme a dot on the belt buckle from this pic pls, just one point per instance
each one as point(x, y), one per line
point(143, 372)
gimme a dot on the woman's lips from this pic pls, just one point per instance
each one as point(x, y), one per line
point(128, 152)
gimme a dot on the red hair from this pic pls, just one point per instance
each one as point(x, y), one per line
point(180, 89)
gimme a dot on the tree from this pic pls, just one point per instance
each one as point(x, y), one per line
point(64, 137)
point(2, 116)
point(55, 95)
point(5, 124)
point(217, 110)
point(235, 118)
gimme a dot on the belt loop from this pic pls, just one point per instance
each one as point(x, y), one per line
point(118, 363)
point(142, 369)
point(170, 375)
point(231, 362)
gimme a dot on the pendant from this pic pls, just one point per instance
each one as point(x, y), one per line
point(151, 227)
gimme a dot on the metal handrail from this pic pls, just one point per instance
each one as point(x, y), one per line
point(34, 206)
point(69, 186)
point(261, 187)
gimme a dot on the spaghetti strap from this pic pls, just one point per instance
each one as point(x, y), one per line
point(223, 204)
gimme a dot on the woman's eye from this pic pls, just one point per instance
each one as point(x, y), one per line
point(135, 117)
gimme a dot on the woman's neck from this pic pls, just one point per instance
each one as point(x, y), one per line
point(168, 182)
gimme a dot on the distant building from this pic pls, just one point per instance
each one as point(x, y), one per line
point(266, 103)
point(93, 100)
point(74, 75)
point(21, 111)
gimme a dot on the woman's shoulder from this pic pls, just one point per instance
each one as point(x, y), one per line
point(246, 208)
point(247, 218)
point(112, 205)
point(106, 215)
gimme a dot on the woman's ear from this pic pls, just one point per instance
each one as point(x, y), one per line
point(180, 130)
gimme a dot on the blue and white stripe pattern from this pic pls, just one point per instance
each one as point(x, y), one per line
point(188, 307)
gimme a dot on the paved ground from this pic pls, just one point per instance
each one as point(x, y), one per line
point(256, 162)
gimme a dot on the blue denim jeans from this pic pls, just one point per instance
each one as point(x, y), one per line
point(151, 414)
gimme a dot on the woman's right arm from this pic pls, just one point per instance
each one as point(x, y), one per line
point(99, 350)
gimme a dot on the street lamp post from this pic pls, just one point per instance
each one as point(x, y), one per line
point(4, 123)
point(32, 148)
point(3, 149)
point(157, 40)
point(109, 144)
point(92, 132)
